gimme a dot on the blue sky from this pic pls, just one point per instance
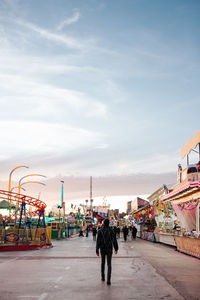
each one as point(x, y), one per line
point(102, 88)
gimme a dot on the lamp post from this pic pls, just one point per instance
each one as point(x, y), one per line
point(59, 207)
point(9, 182)
point(91, 200)
point(62, 206)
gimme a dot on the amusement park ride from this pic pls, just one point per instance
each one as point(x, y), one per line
point(27, 219)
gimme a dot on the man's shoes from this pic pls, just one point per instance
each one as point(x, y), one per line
point(103, 278)
point(108, 283)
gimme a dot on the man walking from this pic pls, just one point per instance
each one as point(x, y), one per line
point(134, 232)
point(106, 240)
point(87, 231)
point(94, 233)
point(125, 232)
point(118, 232)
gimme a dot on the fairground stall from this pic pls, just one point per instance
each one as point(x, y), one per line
point(185, 202)
point(58, 227)
point(167, 223)
point(64, 227)
point(145, 221)
point(185, 198)
point(24, 228)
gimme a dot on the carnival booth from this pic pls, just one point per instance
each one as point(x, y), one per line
point(185, 202)
point(146, 224)
point(167, 222)
point(58, 227)
point(185, 199)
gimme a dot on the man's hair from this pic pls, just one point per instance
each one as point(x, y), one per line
point(106, 222)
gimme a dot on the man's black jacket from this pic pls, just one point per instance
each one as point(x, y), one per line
point(106, 240)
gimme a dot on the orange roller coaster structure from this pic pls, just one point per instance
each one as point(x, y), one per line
point(32, 235)
point(24, 199)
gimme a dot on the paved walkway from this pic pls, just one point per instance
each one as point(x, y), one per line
point(71, 270)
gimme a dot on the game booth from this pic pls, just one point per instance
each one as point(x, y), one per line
point(185, 200)
point(145, 223)
point(167, 223)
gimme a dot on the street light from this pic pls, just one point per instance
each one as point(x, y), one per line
point(62, 206)
point(59, 208)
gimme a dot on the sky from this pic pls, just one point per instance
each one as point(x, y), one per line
point(108, 89)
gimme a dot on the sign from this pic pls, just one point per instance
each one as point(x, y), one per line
point(11, 237)
point(102, 211)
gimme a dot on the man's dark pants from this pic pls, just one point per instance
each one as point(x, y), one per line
point(104, 254)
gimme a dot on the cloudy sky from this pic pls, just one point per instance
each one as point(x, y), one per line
point(107, 88)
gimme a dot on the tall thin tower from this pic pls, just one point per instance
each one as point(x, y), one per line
point(62, 198)
point(91, 200)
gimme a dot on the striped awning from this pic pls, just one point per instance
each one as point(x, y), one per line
point(183, 193)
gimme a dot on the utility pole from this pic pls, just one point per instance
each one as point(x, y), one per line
point(91, 200)
point(90, 189)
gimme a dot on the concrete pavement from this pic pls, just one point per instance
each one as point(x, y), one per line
point(71, 270)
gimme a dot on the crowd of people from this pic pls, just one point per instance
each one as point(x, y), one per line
point(87, 230)
point(129, 232)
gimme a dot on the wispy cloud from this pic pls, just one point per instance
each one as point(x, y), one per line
point(46, 138)
point(71, 20)
point(46, 100)
point(156, 163)
point(51, 36)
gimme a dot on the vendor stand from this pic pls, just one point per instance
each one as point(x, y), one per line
point(64, 227)
point(185, 202)
point(58, 227)
point(165, 217)
point(146, 223)
point(167, 222)
point(185, 198)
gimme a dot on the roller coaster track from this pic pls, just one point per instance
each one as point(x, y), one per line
point(19, 198)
